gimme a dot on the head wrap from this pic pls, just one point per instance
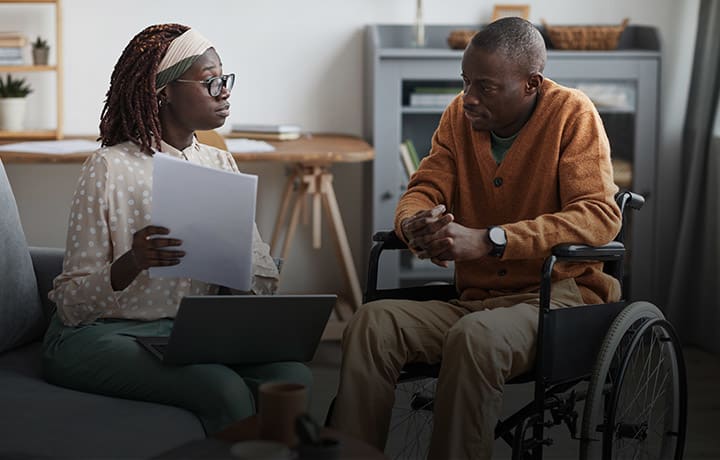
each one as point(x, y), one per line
point(180, 56)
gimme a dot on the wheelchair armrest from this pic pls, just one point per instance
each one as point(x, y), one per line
point(389, 240)
point(613, 252)
point(609, 252)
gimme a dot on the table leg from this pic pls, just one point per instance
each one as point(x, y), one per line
point(317, 210)
point(280, 219)
point(341, 241)
point(299, 199)
point(317, 182)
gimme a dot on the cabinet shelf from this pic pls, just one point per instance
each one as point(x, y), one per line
point(31, 135)
point(421, 110)
point(42, 103)
point(28, 68)
point(29, 1)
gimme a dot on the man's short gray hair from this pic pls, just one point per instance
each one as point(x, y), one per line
point(517, 40)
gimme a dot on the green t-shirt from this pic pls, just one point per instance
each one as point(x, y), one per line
point(500, 145)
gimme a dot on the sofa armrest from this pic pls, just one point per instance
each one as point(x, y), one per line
point(47, 263)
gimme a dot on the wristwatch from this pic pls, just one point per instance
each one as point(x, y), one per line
point(498, 240)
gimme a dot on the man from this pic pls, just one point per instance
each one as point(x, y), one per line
point(518, 164)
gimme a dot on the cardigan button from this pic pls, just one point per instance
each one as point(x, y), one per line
point(502, 272)
point(498, 181)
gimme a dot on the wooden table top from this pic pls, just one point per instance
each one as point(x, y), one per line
point(310, 149)
point(314, 148)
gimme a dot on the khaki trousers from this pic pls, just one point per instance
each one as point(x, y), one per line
point(481, 344)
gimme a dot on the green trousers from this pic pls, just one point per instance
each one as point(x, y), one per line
point(103, 357)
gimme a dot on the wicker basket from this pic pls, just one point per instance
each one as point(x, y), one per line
point(584, 37)
point(459, 38)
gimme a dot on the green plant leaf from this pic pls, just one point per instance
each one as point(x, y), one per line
point(40, 43)
point(14, 87)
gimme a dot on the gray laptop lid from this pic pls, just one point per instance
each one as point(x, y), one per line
point(246, 329)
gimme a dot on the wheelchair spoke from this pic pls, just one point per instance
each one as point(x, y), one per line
point(646, 385)
point(646, 427)
point(412, 421)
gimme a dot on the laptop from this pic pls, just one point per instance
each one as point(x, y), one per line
point(243, 329)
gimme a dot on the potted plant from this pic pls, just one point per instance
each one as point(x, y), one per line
point(40, 51)
point(12, 102)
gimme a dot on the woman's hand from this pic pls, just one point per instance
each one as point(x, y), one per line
point(147, 251)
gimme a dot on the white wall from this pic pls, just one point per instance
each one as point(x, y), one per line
point(300, 62)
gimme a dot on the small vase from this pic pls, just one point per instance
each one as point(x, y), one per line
point(12, 113)
point(40, 56)
point(419, 26)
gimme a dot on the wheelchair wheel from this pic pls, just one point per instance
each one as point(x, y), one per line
point(412, 419)
point(636, 400)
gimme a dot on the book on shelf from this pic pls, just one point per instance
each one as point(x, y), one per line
point(266, 136)
point(406, 160)
point(12, 40)
point(413, 153)
point(423, 96)
point(11, 55)
point(268, 132)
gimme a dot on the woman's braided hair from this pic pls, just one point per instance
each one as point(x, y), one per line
point(131, 108)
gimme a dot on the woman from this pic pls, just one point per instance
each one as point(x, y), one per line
point(167, 83)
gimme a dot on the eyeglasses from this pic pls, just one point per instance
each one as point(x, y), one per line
point(215, 84)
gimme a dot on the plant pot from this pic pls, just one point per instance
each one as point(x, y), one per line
point(12, 113)
point(40, 56)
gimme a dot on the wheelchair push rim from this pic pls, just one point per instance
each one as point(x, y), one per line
point(646, 417)
point(629, 414)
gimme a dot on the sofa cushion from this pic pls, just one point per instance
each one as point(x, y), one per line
point(43, 420)
point(21, 315)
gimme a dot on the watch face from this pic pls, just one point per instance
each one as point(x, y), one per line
point(497, 236)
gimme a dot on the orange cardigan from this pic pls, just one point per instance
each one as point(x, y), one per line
point(554, 186)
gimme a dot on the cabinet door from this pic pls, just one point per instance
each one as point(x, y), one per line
point(395, 121)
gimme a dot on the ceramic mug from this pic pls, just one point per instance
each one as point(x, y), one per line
point(279, 404)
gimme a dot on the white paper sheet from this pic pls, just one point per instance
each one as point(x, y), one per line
point(242, 145)
point(213, 213)
point(61, 147)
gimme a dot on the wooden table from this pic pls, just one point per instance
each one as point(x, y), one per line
point(312, 157)
point(218, 446)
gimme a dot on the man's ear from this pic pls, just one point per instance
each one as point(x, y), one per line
point(533, 83)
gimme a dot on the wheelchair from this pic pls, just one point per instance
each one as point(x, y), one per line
point(622, 360)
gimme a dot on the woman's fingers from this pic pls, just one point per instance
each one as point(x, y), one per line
point(163, 242)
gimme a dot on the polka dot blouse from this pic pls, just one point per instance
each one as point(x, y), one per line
point(113, 200)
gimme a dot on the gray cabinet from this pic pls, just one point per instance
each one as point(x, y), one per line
point(623, 83)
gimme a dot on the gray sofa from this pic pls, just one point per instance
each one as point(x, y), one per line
point(40, 420)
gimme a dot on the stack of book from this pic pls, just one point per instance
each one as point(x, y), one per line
point(430, 96)
point(409, 157)
point(266, 132)
point(11, 48)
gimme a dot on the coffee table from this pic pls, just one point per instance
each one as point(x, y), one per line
point(218, 446)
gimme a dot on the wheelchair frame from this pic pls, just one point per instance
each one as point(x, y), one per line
point(555, 377)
